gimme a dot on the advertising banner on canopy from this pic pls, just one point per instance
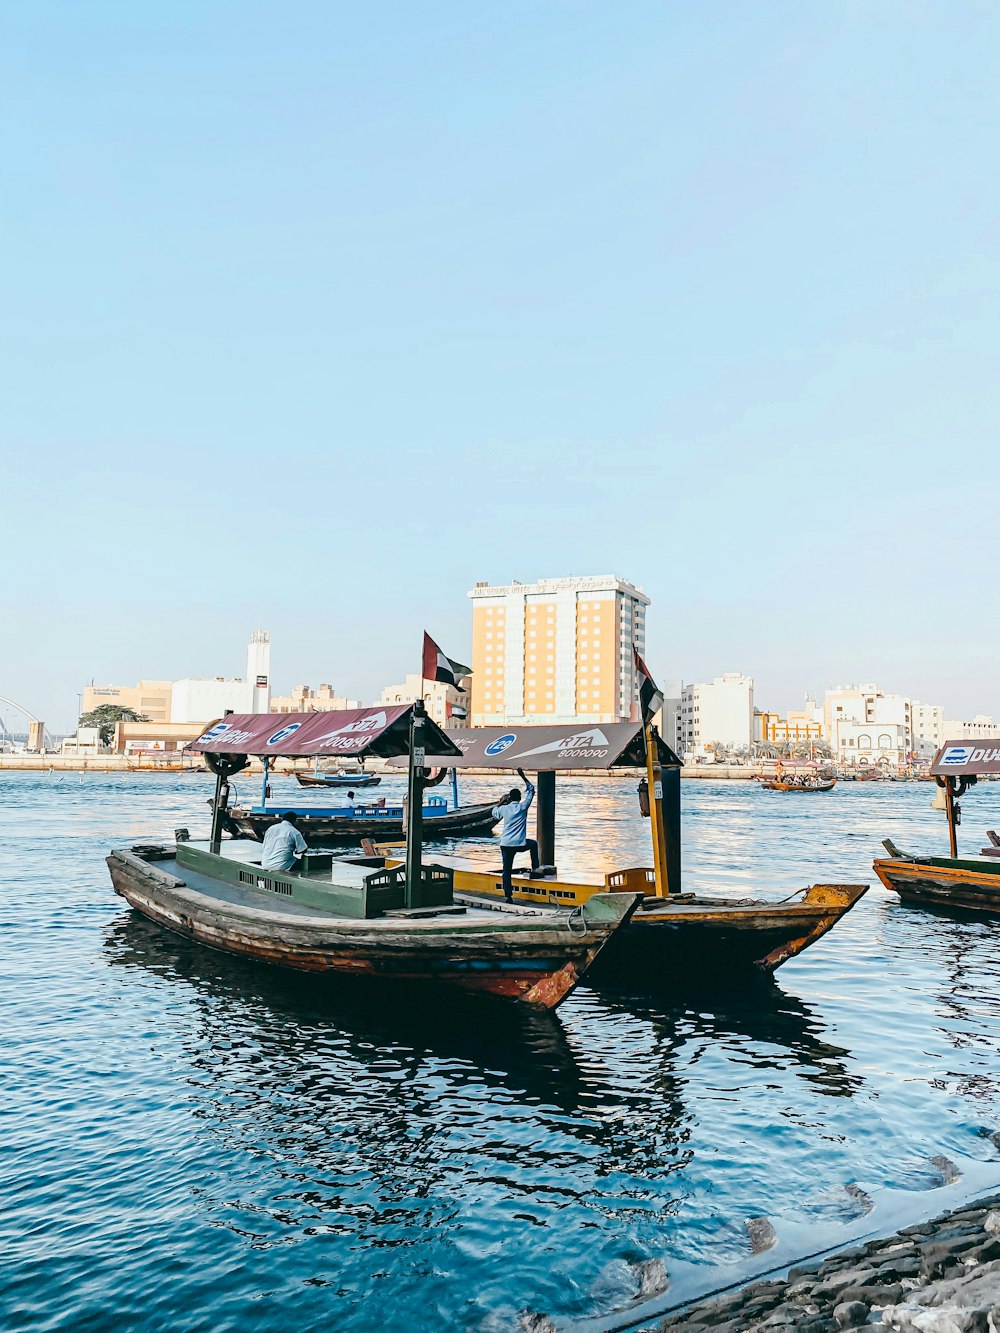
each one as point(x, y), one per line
point(378, 731)
point(541, 749)
point(968, 758)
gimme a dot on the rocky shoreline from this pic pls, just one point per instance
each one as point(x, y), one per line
point(941, 1276)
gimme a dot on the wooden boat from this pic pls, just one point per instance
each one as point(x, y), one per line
point(673, 935)
point(340, 824)
point(349, 917)
point(351, 780)
point(967, 884)
point(682, 936)
point(776, 784)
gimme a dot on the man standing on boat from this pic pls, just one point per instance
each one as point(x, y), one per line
point(513, 835)
point(283, 844)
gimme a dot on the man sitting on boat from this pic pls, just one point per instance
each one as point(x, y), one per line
point(283, 844)
point(513, 836)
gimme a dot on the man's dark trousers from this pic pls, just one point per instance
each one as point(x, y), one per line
point(508, 854)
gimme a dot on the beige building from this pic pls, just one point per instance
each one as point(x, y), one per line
point(447, 706)
point(557, 651)
point(304, 699)
point(150, 698)
point(981, 727)
point(141, 737)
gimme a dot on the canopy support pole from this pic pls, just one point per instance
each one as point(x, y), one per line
point(215, 840)
point(671, 819)
point(263, 785)
point(654, 781)
point(949, 805)
point(545, 818)
point(415, 804)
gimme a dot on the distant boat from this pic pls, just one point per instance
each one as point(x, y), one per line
point(321, 826)
point(809, 785)
point(351, 780)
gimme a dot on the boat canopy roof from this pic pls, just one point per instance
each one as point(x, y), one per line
point(384, 732)
point(967, 758)
point(610, 745)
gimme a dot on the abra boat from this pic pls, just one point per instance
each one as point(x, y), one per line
point(352, 780)
point(325, 825)
point(673, 935)
point(969, 884)
point(357, 916)
point(780, 784)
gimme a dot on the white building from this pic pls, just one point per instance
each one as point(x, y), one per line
point(556, 651)
point(718, 713)
point(872, 744)
point(981, 727)
point(196, 699)
point(847, 705)
point(86, 741)
point(446, 705)
point(304, 699)
point(669, 721)
point(928, 729)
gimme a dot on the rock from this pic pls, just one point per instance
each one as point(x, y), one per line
point(851, 1314)
point(652, 1276)
point(991, 1223)
point(859, 1196)
point(904, 1266)
point(949, 1171)
point(938, 1255)
point(762, 1235)
point(807, 1268)
point(873, 1294)
point(531, 1321)
point(985, 1253)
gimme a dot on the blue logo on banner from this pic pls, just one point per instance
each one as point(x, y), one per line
point(285, 731)
point(213, 733)
point(501, 743)
point(958, 754)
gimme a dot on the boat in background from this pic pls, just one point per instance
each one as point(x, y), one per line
point(799, 785)
point(345, 780)
point(953, 882)
point(322, 826)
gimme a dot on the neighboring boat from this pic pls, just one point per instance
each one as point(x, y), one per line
point(967, 884)
point(356, 916)
point(323, 825)
point(349, 917)
point(351, 780)
point(811, 784)
point(673, 935)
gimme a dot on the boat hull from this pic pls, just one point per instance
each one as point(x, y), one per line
point(468, 821)
point(936, 882)
point(349, 781)
point(535, 963)
point(686, 939)
point(707, 940)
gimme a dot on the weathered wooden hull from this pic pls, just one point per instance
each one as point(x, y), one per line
point(692, 939)
point(468, 821)
point(352, 781)
point(708, 938)
point(967, 886)
point(536, 963)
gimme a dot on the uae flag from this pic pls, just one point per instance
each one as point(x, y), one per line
point(439, 667)
point(650, 697)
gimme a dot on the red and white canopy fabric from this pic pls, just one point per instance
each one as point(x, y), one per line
point(378, 731)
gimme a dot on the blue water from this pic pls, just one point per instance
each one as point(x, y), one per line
point(191, 1142)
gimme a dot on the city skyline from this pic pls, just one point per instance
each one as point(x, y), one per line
point(357, 313)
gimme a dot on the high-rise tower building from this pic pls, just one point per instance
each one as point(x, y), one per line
point(559, 651)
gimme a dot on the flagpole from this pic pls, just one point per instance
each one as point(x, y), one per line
point(654, 783)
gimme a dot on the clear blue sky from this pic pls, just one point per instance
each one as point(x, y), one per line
point(314, 314)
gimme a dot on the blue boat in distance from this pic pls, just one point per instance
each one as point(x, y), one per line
point(351, 780)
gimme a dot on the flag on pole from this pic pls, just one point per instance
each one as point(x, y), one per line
point(650, 696)
point(439, 667)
